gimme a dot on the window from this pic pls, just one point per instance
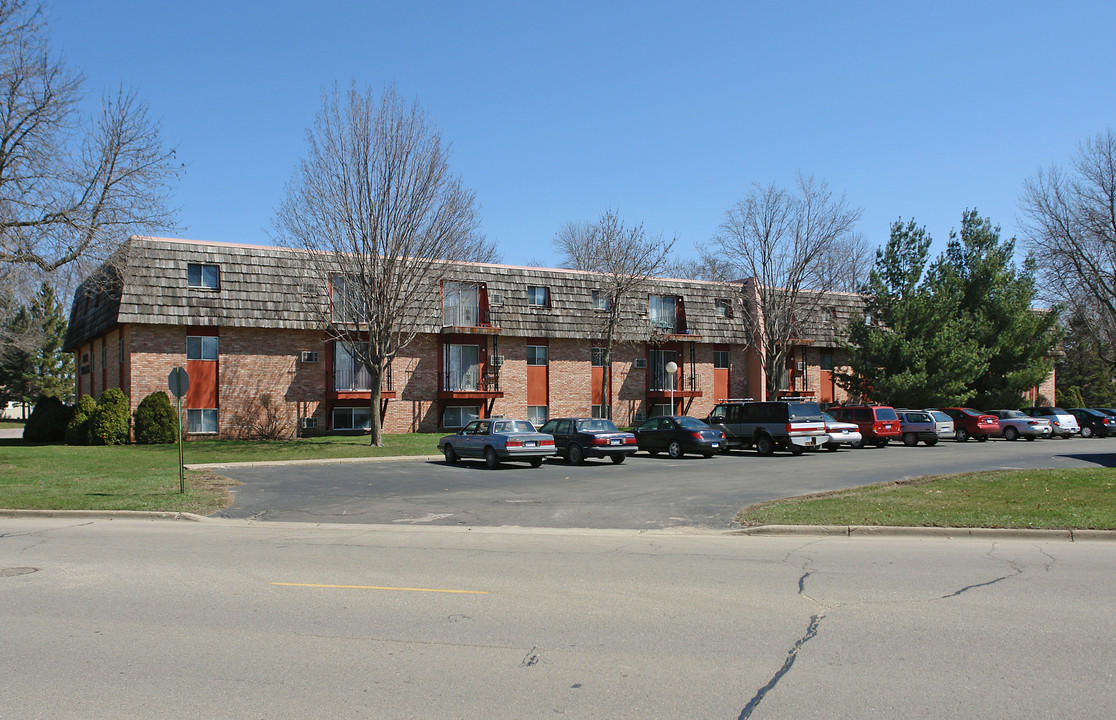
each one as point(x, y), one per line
point(104, 355)
point(537, 354)
point(84, 363)
point(596, 357)
point(660, 378)
point(462, 363)
point(201, 347)
point(207, 277)
point(827, 361)
point(601, 411)
point(345, 302)
point(538, 296)
point(536, 415)
point(461, 304)
point(720, 359)
point(352, 418)
point(661, 310)
point(201, 422)
point(663, 410)
point(349, 373)
point(459, 416)
point(723, 307)
point(600, 300)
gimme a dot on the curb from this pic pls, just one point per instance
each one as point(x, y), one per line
point(331, 461)
point(926, 532)
point(104, 515)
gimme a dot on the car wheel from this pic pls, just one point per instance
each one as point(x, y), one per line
point(708, 455)
point(491, 460)
point(536, 462)
point(451, 455)
point(1086, 432)
point(963, 435)
point(765, 446)
point(574, 454)
point(617, 459)
point(981, 438)
point(931, 443)
point(675, 449)
point(831, 447)
point(1030, 438)
point(1011, 433)
point(795, 449)
point(881, 443)
point(858, 444)
point(910, 439)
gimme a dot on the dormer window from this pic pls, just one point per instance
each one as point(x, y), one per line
point(538, 296)
point(206, 277)
point(662, 311)
point(723, 307)
point(600, 300)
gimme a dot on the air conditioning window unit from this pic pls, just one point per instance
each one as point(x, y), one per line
point(309, 423)
point(309, 356)
point(495, 299)
point(641, 362)
point(497, 361)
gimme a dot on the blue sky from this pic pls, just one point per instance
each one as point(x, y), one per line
point(666, 112)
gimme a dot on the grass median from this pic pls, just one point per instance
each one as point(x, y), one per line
point(145, 477)
point(1050, 499)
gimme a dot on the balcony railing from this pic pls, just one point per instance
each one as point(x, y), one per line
point(463, 316)
point(665, 382)
point(350, 379)
point(471, 380)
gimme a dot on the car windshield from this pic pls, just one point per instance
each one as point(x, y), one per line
point(828, 418)
point(689, 423)
point(804, 411)
point(513, 426)
point(940, 416)
point(1011, 414)
point(596, 426)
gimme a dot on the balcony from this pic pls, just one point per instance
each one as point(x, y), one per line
point(351, 383)
point(470, 383)
point(468, 320)
point(661, 384)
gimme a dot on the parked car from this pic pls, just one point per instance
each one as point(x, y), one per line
point(1014, 425)
point(943, 424)
point(497, 441)
point(578, 438)
point(1094, 423)
point(971, 423)
point(878, 423)
point(1062, 423)
point(917, 425)
point(678, 435)
point(792, 425)
point(840, 433)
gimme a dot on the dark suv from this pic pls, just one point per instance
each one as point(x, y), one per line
point(878, 423)
point(787, 424)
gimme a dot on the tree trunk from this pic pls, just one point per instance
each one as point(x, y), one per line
point(376, 377)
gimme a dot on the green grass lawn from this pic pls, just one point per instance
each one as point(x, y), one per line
point(145, 477)
point(11, 424)
point(1077, 499)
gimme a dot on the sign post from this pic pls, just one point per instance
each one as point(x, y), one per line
point(179, 382)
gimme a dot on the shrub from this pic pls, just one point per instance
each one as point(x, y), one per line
point(77, 430)
point(109, 423)
point(47, 422)
point(262, 419)
point(155, 420)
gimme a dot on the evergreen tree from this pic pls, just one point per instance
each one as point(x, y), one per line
point(1083, 375)
point(915, 347)
point(37, 368)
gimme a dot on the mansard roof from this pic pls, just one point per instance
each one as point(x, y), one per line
point(266, 287)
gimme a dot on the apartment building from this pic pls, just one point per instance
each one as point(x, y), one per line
point(509, 341)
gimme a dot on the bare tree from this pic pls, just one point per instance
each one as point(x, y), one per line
point(780, 242)
point(375, 203)
point(1071, 229)
point(72, 188)
point(626, 257)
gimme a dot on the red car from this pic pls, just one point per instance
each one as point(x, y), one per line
point(973, 423)
point(878, 423)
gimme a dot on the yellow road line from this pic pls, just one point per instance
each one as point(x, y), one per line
point(376, 587)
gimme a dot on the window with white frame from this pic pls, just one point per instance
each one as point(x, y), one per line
point(537, 354)
point(723, 307)
point(661, 410)
point(349, 373)
point(201, 422)
point(352, 418)
point(537, 415)
point(538, 296)
point(207, 277)
point(462, 363)
point(460, 304)
point(201, 347)
point(600, 300)
point(720, 359)
point(662, 311)
point(456, 416)
point(601, 411)
point(345, 305)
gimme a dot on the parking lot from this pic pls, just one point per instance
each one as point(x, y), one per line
point(643, 493)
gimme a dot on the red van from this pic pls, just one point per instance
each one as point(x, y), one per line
point(878, 423)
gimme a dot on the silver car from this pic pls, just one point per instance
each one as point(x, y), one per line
point(1014, 425)
point(840, 433)
point(1062, 422)
point(917, 425)
point(496, 441)
point(943, 424)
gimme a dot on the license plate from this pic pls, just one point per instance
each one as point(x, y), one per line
point(887, 427)
point(715, 445)
point(530, 443)
point(613, 442)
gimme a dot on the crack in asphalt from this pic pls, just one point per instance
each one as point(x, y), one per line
point(1015, 571)
point(811, 633)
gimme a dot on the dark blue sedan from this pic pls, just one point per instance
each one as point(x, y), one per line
point(677, 435)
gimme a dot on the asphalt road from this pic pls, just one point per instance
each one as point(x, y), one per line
point(156, 619)
point(643, 493)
